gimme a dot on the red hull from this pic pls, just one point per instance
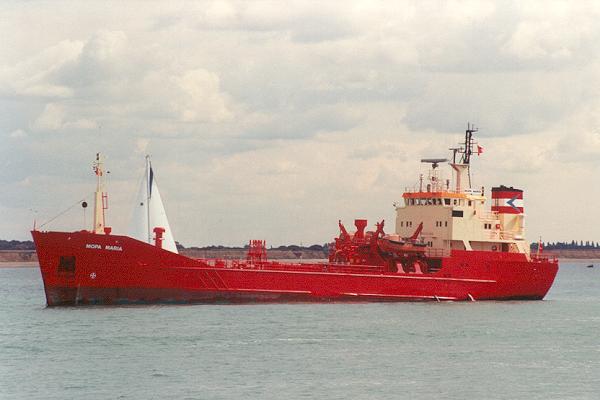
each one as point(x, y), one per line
point(85, 268)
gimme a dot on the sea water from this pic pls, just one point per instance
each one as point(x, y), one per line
point(483, 350)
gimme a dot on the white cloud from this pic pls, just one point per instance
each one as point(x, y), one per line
point(199, 97)
point(33, 76)
point(103, 57)
point(141, 145)
point(56, 116)
point(557, 31)
point(81, 123)
point(51, 119)
point(19, 133)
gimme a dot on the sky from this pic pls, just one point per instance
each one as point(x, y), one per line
point(272, 120)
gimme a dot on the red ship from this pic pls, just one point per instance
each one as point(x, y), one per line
point(446, 246)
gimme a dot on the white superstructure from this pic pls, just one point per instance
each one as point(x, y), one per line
point(455, 216)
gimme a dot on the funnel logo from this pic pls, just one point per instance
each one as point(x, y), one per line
point(507, 200)
point(511, 203)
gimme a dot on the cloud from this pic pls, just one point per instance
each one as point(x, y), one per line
point(51, 119)
point(111, 79)
point(19, 133)
point(102, 57)
point(141, 145)
point(303, 124)
point(548, 33)
point(199, 97)
point(32, 77)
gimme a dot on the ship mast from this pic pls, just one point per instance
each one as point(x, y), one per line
point(100, 196)
point(463, 166)
point(148, 177)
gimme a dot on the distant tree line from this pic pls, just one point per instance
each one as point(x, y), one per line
point(572, 245)
point(292, 247)
point(16, 245)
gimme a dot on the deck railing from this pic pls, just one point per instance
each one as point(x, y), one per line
point(296, 267)
point(543, 258)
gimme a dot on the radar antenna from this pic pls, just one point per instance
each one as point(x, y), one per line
point(434, 178)
point(434, 161)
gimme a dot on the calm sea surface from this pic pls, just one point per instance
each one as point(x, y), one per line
point(485, 350)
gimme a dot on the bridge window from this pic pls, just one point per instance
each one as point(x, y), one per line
point(457, 213)
point(447, 202)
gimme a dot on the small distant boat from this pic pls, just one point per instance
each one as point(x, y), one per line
point(591, 266)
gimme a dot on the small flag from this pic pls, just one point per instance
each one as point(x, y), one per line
point(479, 149)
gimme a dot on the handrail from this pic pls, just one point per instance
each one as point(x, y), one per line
point(488, 215)
point(475, 192)
point(507, 235)
point(296, 267)
point(500, 235)
point(542, 258)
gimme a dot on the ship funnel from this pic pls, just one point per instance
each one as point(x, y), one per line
point(507, 200)
point(360, 224)
point(508, 203)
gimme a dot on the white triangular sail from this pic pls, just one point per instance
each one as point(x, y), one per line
point(149, 212)
point(138, 227)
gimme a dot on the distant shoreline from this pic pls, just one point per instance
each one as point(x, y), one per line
point(19, 264)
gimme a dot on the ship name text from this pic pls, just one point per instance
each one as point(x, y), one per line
point(96, 246)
